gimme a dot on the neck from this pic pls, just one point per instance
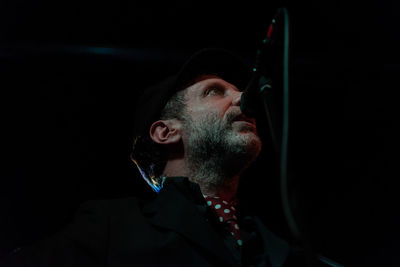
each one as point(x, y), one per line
point(176, 167)
point(215, 177)
point(211, 182)
point(227, 191)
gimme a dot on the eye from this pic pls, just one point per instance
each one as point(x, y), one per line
point(214, 90)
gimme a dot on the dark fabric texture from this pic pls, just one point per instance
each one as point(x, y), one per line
point(175, 228)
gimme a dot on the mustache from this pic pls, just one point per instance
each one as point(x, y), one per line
point(237, 115)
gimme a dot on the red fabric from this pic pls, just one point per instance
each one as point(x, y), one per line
point(226, 213)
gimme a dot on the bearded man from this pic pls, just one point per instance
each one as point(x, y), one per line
point(192, 143)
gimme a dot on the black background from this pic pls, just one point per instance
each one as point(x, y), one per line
point(71, 71)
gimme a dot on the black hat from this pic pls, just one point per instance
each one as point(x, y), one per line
point(216, 61)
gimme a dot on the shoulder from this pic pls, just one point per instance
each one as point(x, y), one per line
point(290, 254)
point(107, 207)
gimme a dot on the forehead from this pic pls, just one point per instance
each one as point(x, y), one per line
point(205, 80)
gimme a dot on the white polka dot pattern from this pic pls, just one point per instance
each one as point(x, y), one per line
point(226, 214)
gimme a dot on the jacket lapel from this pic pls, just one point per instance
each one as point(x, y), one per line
point(175, 209)
point(276, 249)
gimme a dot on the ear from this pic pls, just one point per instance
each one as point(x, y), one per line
point(166, 131)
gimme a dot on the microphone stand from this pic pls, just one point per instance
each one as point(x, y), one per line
point(270, 81)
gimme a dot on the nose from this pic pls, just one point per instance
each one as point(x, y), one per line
point(237, 98)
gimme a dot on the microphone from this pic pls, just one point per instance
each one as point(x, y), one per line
point(267, 94)
point(263, 97)
point(264, 71)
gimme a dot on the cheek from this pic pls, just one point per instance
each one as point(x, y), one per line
point(216, 108)
point(207, 116)
point(202, 112)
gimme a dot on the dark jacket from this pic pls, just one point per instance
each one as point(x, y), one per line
point(174, 229)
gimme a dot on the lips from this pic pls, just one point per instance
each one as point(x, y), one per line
point(242, 117)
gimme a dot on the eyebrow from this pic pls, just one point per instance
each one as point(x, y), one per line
point(220, 84)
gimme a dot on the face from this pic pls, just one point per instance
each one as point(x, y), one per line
point(215, 130)
point(213, 95)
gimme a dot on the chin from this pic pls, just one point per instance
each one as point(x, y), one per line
point(254, 144)
point(248, 142)
point(249, 132)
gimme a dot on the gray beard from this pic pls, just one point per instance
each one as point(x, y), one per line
point(216, 153)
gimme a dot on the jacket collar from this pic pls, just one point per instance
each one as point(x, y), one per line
point(175, 208)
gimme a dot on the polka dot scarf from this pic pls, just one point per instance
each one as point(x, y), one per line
point(226, 214)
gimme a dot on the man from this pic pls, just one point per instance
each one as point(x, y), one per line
point(192, 143)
